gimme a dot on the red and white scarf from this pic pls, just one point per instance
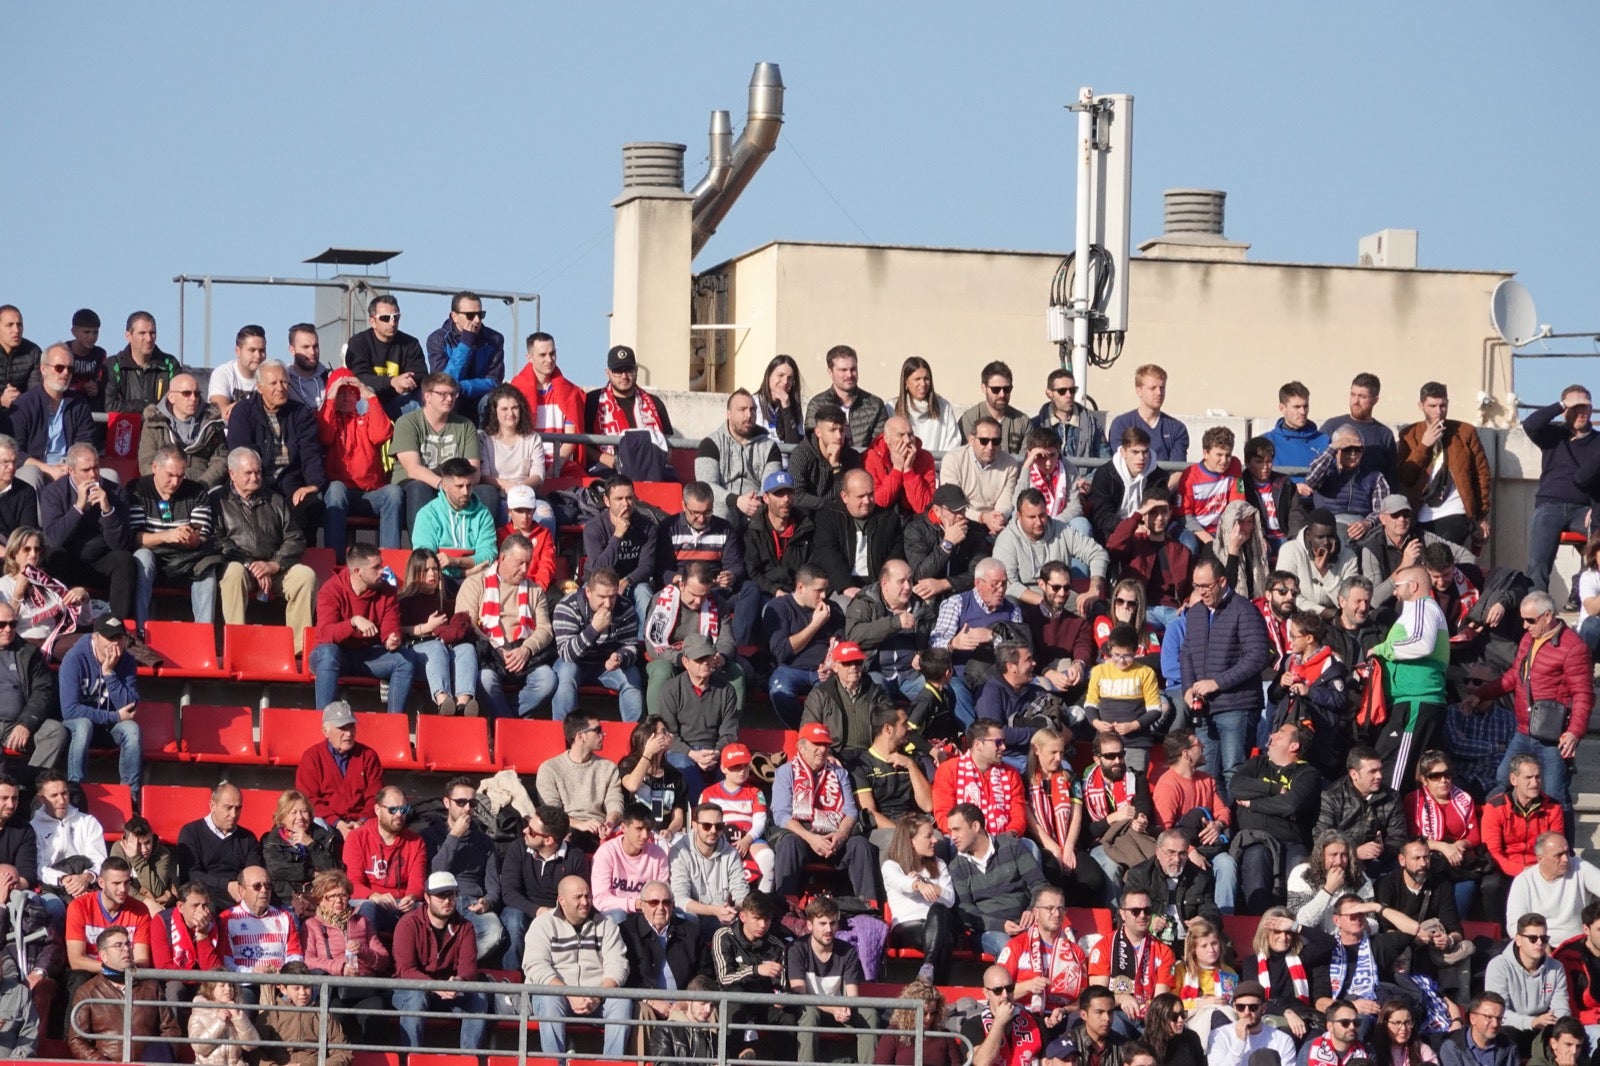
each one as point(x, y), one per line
point(1065, 969)
point(1024, 1044)
point(1297, 974)
point(1223, 981)
point(1277, 628)
point(1465, 599)
point(818, 796)
point(489, 612)
point(1101, 795)
point(1051, 801)
point(1430, 813)
point(662, 621)
point(614, 418)
point(1054, 486)
point(989, 789)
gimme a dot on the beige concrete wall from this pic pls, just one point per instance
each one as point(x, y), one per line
point(650, 309)
point(1228, 333)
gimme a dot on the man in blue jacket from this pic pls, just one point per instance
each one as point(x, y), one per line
point(283, 432)
point(50, 418)
point(99, 698)
point(1296, 440)
point(1225, 649)
point(468, 350)
point(88, 540)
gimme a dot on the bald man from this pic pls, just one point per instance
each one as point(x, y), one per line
point(255, 936)
point(902, 471)
point(855, 539)
point(1414, 656)
point(591, 954)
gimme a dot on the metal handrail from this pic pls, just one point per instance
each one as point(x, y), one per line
point(525, 995)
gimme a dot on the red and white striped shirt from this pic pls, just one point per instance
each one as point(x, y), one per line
point(247, 940)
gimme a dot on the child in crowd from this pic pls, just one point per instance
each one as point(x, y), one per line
point(744, 813)
point(1207, 487)
point(1124, 697)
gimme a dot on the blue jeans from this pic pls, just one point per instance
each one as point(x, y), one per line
point(1160, 615)
point(1550, 520)
point(908, 685)
point(330, 662)
point(487, 927)
point(746, 613)
point(993, 941)
point(537, 687)
point(966, 701)
point(693, 779)
point(412, 1005)
point(643, 597)
point(130, 761)
point(340, 501)
point(516, 925)
point(623, 681)
point(1226, 874)
point(787, 688)
point(1589, 633)
point(553, 1034)
point(1226, 737)
point(448, 668)
point(202, 592)
point(1554, 768)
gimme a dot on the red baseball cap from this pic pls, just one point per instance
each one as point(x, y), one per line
point(848, 651)
point(735, 755)
point(817, 733)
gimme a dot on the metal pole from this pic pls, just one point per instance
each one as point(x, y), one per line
point(127, 1019)
point(723, 1010)
point(322, 1025)
point(182, 285)
point(1080, 259)
point(206, 285)
point(516, 336)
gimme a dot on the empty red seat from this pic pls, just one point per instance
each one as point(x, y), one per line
point(396, 559)
point(187, 650)
point(523, 743)
point(667, 495)
point(375, 1058)
point(286, 733)
point(168, 808)
point(322, 563)
point(220, 734)
point(158, 732)
point(771, 740)
point(259, 653)
point(452, 745)
point(617, 735)
point(260, 804)
point(112, 805)
point(390, 736)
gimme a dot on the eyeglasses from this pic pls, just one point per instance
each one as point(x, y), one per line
point(660, 902)
point(60, 368)
point(1352, 449)
point(1065, 391)
point(259, 884)
point(999, 990)
point(1049, 908)
point(1401, 1023)
point(1112, 756)
point(1251, 1007)
point(1137, 912)
point(1495, 1018)
point(1542, 938)
point(999, 389)
point(403, 809)
point(1438, 775)
point(1334, 1021)
point(473, 315)
point(183, 392)
point(987, 442)
point(460, 802)
point(388, 318)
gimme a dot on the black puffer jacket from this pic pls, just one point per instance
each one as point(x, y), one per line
point(1378, 818)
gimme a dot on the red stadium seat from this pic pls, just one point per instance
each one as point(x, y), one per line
point(387, 734)
point(322, 563)
point(667, 495)
point(375, 1058)
point(286, 733)
point(168, 808)
point(158, 733)
point(218, 734)
point(523, 743)
point(453, 745)
point(617, 735)
point(396, 559)
point(112, 805)
point(187, 650)
point(260, 653)
point(1241, 929)
point(771, 740)
point(260, 804)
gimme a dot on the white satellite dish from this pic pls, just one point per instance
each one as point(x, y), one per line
point(1511, 310)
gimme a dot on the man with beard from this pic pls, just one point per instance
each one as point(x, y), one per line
point(468, 350)
point(1063, 641)
point(864, 413)
point(735, 459)
point(942, 545)
point(1132, 963)
point(137, 376)
point(697, 535)
point(1276, 797)
point(308, 378)
point(777, 541)
point(1354, 632)
point(620, 406)
point(1045, 961)
point(557, 403)
point(1080, 431)
point(387, 360)
point(1397, 543)
point(1319, 562)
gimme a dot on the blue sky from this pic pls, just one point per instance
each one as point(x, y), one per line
point(484, 140)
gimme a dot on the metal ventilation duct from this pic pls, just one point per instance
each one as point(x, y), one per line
point(715, 194)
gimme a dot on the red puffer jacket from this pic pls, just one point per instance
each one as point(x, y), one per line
point(353, 442)
point(1562, 670)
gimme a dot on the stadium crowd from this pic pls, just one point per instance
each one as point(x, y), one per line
point(1309, 757)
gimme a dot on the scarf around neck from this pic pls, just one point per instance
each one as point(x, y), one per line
point(489, 619)
point(1364, 981)
point(818, 797)
point(614, 417)
point(1297, 975)
point(989, 790)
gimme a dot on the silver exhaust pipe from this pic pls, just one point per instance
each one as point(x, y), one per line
point(714, 198)
point(721, 158)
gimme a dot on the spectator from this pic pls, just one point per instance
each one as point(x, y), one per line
point(1330, 872)
point(185, 937)
point(1123, 697)
point(1206, 983)
point(901, 470)
point(1319, 562)
point(1225, 650)
point(1206, 487)
point(48, 419)
point(1395, 1038)
point(748, 957)
point(1275, 497)
point(1034, 538)
point(801, 629)
point(818, 464)
point(996, 405)
point(386, 862)
point(181, 420)
point(573, 944)
point(1513, 820)
point(19, 847)
point(621, 406)
point(1554, 886)
point(692, 607)
point(1143, 550)
point(1569, 478)
point(262, 546)
point(1443, 469)
point(1169, 438)
point(1132, 964)
point(1049, 968)
point(932, 419)
point(456, 523)
point(778, 405)
point(30, 716)
point(138, 376)
point(19, 503)
point(624, 540)
point(647, 778)
point(153, 863)
point(580, 782)
point(1275, 807)
point(1580, 957)
point(707, 877)
point(71, 844)
point(426, 438)
point(1117, 810)
point(1295, 439)
point(557, 404)
point(1080, 432)
point(1345, 485)
point(815, 806)
point(1168, 1039)
point(1375, 437)
point(1063, 641)
point(510, 449)
point(1055, 818)
point(521, 506)
point(736, 459)
point(854, 541)
point(100, 703)
point(85, 524)
point(663, 949)
point(943, 543)
point(625, 863)
point(744, 811)
point(596, 638)
point(1339, 1043)
point(697, 536)
point(1006, 1034)
point(1396, 544)
point(1182, 892)
point(1413, 657)
point(1445, 818)
point(1312, 690)
point(820, 964)
point(994, 878)
point(214, 850)
point(864, 413)
point(434, 942)
point(467, 349)
point(438, 638)
point(340, 777)
point(216, 1017)
point(1288, 969)
point(846, 702)
point(308, 378)
point(920, 897)
point(1359, 962)
point(353, 441)
point(295, 850)
point(255, 936)
point(1480, 1042)
point(889, 783)
point(232, 382)
point(1415, 894)
point(511, 618)
point(1565, 1043)
point(95, 1021)
point(1009, 694)
point(1118, 487)
point(456, 846)
point(700, 713)
point(967, 625)
point(980, 778)
point(358, 630)
point(530, 875)
point(296, 1024)
point(387, 360)
point(899, 1046)
point(1552, 673)
point(111, 906)
point(1532, 983)
point(1185, 797)
point(1367, 812)
point(88, 358)
point(1240, 550)
point(169, 515)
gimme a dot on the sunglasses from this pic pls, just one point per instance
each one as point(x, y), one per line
point(1065, 391)
point(183, 392)
point(8, 623)
point(460, 802)
point(1438, 775)
point(1056, 588)
point(403, 809)
point(1137, 912)
point(1353, 449)
point(1542, 938)
point(999, 990)
point(1334, 1021)
point(1112, 756)
point(987, 442)
point(60, 368)
point(1251, 1007)
point(472, 315)
point(388, 318)
point(1120, 602)
point(656, 902)
point(709, 825)
point(999, 389)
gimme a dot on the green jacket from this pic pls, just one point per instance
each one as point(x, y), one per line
point(1415, 653)
point(441, 526)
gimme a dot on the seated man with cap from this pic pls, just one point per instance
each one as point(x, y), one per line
point(701, 712)
point(814, 804)
point(434, 942)
point(943, 545)
point(621, 406)
point(693, 606)
point(99, 694)
point(1239, 1043)
point(340, 776)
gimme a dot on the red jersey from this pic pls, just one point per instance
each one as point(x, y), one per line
point(87, 918)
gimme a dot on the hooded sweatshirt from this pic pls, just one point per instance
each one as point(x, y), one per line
point(439, 525)
point(1296, 447)
point(353, 443)
point(1527, 995)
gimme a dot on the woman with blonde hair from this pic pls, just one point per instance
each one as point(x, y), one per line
point(1055, 820)
point(932, 419)
point(1279, 963)
point(50, 616)
point(920, 897)
point(216, 1015)
point(1205, 984)
point(339, 942)
point(899, 1047)
point(295, 850)
point(1128, 609)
